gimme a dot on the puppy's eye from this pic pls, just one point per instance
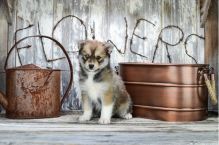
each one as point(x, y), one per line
point(98, 57)
point(86, 56)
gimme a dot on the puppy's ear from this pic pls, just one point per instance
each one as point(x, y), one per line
point(108, 47)
point(81, 45)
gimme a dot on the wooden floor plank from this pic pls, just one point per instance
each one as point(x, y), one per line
point(66, 130)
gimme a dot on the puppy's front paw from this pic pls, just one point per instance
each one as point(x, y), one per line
point(84, 118)
point(104, 121)
point(128, 116)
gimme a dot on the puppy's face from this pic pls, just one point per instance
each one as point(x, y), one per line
point(94, 55)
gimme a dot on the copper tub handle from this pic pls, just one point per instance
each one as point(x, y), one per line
point(211, 88)
point(208, 75)
point(66, 94)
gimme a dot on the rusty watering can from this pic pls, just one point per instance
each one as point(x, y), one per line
point(33, 92)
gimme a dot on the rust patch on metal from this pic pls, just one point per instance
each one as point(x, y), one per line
point(33, 93)
point(66, 94)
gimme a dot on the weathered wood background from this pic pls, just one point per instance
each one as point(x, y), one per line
point(108, 18)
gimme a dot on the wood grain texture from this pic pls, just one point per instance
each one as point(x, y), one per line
point(7, 10)
point(3, 45)
point(204, 11)
point(211, 43)
point(108, 17)
point(66, 130)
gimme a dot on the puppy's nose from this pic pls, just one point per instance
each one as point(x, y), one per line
point(91, 66)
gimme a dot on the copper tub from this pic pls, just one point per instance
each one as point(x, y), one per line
point(168, 92)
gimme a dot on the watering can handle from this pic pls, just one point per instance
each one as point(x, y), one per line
point(66, 94)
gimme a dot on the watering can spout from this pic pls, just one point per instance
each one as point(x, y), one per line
point(3, 101)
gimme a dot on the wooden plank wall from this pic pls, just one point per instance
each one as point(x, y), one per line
point(211, 43)
point(3, 44)
point(108, 18)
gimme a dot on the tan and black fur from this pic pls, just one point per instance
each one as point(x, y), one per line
point(102, 89)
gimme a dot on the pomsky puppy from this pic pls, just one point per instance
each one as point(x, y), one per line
point(102, 90)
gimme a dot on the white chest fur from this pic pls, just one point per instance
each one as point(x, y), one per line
point(94, 89)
